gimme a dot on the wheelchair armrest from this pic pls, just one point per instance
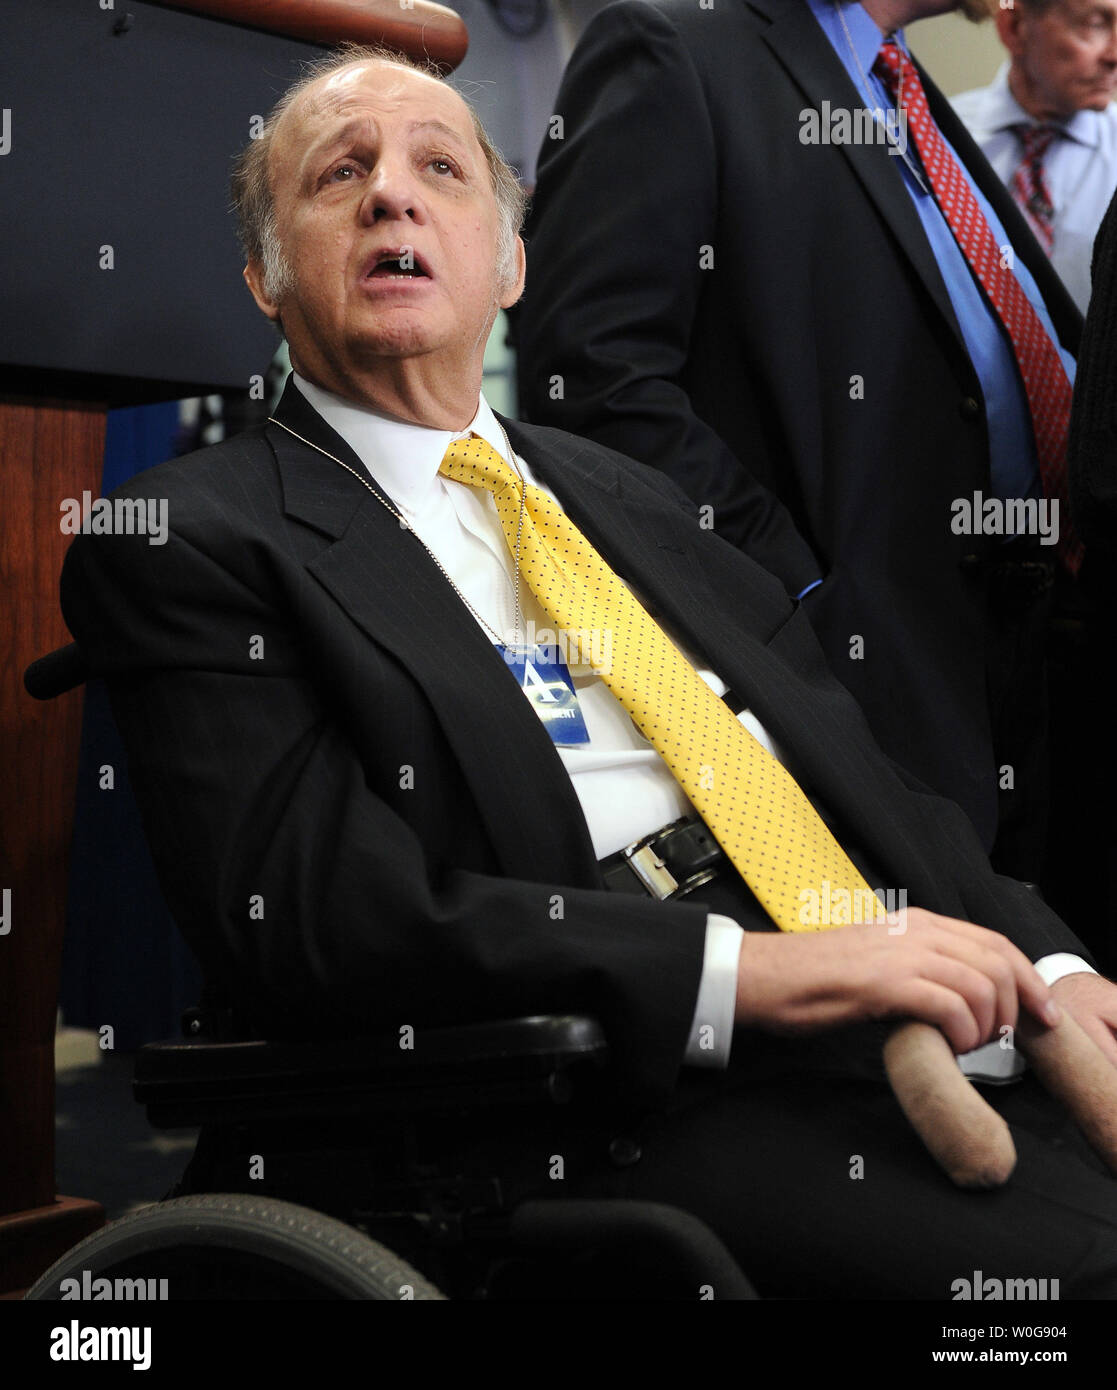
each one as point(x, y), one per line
point(200, 1082)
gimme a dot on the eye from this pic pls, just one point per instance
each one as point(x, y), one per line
point(344, 171)
point(442, 166)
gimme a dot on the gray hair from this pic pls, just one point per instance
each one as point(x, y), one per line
point(253, 199)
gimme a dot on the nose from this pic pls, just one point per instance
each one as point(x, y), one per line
point(392, 192)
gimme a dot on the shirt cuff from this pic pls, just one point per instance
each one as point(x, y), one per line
point(1054, 967)
point(996, 1061)
point(711, 1033)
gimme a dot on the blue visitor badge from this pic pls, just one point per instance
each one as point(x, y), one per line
point(543, 676)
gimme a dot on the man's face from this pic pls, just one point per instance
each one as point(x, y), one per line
point(386, 214)
point(1065, 59)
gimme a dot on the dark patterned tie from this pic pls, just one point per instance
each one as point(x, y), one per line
point(1029, 184)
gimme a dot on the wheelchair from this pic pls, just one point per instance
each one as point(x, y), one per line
point(428, 1165)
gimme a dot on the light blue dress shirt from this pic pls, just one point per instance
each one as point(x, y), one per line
point(1012, 453)
point(1080, 170)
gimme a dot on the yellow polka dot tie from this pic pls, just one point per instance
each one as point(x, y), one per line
point(755, 809)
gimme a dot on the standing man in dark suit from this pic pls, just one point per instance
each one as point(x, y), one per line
point(365, 814)
point(733, 277)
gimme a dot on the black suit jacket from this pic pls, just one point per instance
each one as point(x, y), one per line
point(681, 142)
point(1092, 458)
point(358, 820)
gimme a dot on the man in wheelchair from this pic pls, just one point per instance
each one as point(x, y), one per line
point(370, 821)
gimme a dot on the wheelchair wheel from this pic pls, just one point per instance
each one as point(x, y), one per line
point(230, 1246)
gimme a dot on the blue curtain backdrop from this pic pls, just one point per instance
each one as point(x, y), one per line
point(123, 962)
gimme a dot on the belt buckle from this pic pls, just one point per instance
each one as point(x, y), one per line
point(650, 869)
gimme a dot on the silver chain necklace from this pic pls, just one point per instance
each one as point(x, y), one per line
point(866, 92)
point(407, 526)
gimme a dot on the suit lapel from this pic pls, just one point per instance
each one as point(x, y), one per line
point(386, 582)
point(805, 53)
point(630, 526)
point(649, 547)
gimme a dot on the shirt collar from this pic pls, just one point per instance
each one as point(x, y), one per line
point(1003, 111)
point(401, 457)
point(864, 31)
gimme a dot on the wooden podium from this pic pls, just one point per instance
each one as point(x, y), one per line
point(121, 286)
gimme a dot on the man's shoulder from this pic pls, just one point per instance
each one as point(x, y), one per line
point(684, 20)
point(986, 111)
point(212, 499)
point(970, 105)
point(204, 471)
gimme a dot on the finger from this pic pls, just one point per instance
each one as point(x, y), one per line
point(1076, 1070)
point(990, 985)
point(958, 999)
point(966, 1137)
point(989, 951)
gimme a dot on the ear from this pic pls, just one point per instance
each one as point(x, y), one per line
point(516, 287)
point(254, 279)
point(1011, 29)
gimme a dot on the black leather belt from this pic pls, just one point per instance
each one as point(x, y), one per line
point(666, 864)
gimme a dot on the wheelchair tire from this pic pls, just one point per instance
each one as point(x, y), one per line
point(232, 1246)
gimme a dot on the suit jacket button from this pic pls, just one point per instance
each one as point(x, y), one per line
point(624, 1152)
point(969, 407)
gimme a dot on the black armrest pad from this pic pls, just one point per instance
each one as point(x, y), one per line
point(178, 1073)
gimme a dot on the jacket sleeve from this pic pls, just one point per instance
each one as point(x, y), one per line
point(1092, 449)
point(297, 882)
point(626, 201)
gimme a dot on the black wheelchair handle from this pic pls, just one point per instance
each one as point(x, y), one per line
point(56, 673)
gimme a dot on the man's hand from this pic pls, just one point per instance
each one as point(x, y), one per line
point(1077, 1060)
point(965, 980)
point(1092, 1000)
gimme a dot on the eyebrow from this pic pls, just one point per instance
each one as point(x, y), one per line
point(358, 127)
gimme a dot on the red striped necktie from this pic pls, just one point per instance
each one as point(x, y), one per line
point(1041, 368)
point(1029, 183)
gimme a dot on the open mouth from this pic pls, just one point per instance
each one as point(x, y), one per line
point(401, 263)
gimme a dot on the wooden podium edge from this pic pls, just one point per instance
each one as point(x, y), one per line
point(419, 28)
point(50, 450)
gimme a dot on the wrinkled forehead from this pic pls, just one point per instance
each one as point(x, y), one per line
point(375, 89)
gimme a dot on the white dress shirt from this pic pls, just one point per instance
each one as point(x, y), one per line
point(1080, 169)
point(624, 787)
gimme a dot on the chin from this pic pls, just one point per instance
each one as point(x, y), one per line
point(401, 339)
